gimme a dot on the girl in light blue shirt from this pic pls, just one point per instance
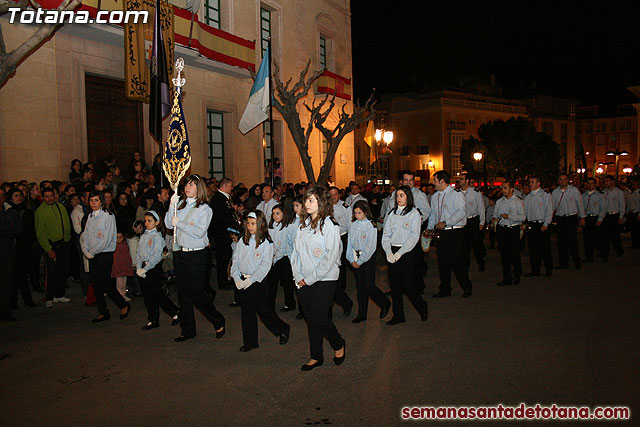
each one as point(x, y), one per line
point(149, 271)
point(252, 259)
point(281, 271)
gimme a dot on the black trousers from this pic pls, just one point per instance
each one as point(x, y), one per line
point(634, 225)
point(57, 271)
point(420, 267)
point(451, 258)
point(100, 274)
point(473, 240)
point(316, 302)
point(611, 235)
point(281, 273)
point(6, 282)
point(366, 287)
point(539, 248)
point(402, 274)
point(341, 298)
point(20, 275)
point(253, 302)
point(190, 269)
point(154, 297)
point(34, 265)
point(509, 247)
point(592, 237)
point(568, 239)
point(223, 257)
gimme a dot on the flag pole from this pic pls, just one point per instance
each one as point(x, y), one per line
point(272, 150)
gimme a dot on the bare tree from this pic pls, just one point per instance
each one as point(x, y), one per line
point(286, 99)
point(9, 61)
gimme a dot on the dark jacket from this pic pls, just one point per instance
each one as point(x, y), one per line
point(10, 228)
point(223, 218)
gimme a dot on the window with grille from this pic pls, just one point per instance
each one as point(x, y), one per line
point(323, 53)
point(215, 141)
point(265, 28)
point(212, 13)
point(455, 142)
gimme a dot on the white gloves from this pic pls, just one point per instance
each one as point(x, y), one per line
point(88, 256)
point(175, 199)
point(174, 220)
point(242, 284)
point(141, 272)
point(393, 258)
point(397, 256)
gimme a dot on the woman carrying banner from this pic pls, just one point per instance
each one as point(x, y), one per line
point(191, 222)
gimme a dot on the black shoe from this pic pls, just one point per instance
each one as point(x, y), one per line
point(221, 333)
point(38, 289)
point(287, 308)
point(442, 294)
point(306, 367)
point(503, 283)
point(246, 348)
point(338, 360)
point(359, 319)
point(532, 274)
point(394, 322)
point(124, 316)
point(384, 311)
point(234, 304)
point(284, 336)
point(9, 318)
point(299, 316)
point(481, 268)
point(467, 293)
point(182, 338)
point(101, 319)
point(347, 311)
point(151, 325)
point(516, 281)
point(424, 317)
point(587, 260)
point(176, 319)
point(548, 273)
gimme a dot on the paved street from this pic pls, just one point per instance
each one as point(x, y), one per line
point(571, 340)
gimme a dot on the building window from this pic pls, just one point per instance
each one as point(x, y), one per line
point(265, 29)
point(266, 129)
point(323, 53)
point(455, 142)
point(604, 127)
point(215, 140)
point(325, 149)
point(212, 13)
point(613, 126)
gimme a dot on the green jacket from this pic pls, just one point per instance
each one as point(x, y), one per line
point(52, 224)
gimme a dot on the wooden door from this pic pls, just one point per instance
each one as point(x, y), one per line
point(114, 124)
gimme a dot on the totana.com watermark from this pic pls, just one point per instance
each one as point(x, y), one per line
point(44, 16)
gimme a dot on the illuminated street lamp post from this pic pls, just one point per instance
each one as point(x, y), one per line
point(617, 154)
point(477, 156)
point(386, 136)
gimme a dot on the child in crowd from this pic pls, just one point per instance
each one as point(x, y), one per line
point(298, 208)
point(251, 261)
point(281, 270)
point(122, 265)
point(133, 238)
point(361, 253)
point(149, 270)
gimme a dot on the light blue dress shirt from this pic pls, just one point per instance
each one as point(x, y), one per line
point(316, 253)
point(194, 222)
point(513, 207)
point(474, 203)
point(594, 204)
point(150, 249)
point(248, 260)
point(401, 230)
point(363, 238)
point(100, 233)
point(342, 214)
point(448, 206)
point(282, 242)
point(567, 203)
point(537, 207)
point(614, 201)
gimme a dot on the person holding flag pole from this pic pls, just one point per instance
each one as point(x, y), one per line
point(189, 216)
point(259, 103)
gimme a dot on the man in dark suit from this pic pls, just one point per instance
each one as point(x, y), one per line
point(223, 219)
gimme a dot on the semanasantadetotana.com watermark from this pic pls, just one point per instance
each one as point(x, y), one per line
point(44, 16)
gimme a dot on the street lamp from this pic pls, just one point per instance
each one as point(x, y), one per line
point(385, 136)
point(627, 170)
point(617, 154)
point(477, 156)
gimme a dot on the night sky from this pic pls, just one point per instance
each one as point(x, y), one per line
point(579, 49)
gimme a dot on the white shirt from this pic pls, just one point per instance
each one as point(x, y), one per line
point(266, 208)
